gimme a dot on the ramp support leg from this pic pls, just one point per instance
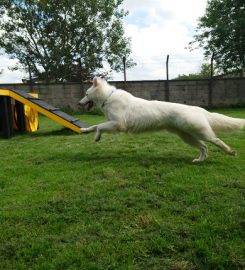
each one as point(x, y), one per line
point(6, 119)
point(21, 123)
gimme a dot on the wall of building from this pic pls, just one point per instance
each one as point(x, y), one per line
point(220, 93)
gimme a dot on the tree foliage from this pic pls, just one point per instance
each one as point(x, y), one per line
point(222, 31)
point(58, 39)
point(204, 73)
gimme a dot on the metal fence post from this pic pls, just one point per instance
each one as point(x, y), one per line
point(124, 72)
point(210, 91)
point(167, 79)
point(81, 75)
point(30, 76)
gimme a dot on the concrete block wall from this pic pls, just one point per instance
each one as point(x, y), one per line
point(229, 92)
point(225, 92)
point(189, 92)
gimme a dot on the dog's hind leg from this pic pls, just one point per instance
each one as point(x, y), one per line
point(187, 138)
point(218, 142)
point(202, 131)
point(208, 135)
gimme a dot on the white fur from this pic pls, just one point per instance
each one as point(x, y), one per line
point(127, 113)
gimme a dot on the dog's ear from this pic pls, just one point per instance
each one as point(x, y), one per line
point(96, 81)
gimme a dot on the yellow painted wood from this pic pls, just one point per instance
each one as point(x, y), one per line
point(4, 92)
point(31, 116)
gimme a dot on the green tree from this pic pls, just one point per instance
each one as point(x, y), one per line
point(204, 73)
point(221, 31)
point(60, 39)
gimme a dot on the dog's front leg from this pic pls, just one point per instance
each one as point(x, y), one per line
point(89, 129)
point(110, 126)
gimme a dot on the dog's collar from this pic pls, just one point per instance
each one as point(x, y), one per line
point(103, 104)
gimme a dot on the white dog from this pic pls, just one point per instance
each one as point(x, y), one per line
point(127, 113)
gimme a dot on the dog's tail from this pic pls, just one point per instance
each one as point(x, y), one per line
point(220, 122)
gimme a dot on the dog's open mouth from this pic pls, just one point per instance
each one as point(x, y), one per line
point(88, 106)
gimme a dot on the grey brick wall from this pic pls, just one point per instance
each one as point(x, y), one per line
point(225, 92)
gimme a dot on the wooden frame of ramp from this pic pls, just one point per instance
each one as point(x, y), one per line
point(44, 108)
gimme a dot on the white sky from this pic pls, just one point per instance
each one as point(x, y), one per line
point(156, 28)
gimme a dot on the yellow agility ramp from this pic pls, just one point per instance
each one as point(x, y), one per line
point(30, 116)
point(40, 106)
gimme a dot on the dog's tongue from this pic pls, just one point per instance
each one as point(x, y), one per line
point(86, 106)
point(89, 106)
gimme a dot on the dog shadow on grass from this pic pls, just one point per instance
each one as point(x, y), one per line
point(52, 133)
point(108, 156)
point(128, 159)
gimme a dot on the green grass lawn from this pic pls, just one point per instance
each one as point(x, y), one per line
point(127, 202)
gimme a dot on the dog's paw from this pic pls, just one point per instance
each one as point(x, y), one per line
point(97, 137)
point(233, 153)
point(197, 160)
point(83, 130)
